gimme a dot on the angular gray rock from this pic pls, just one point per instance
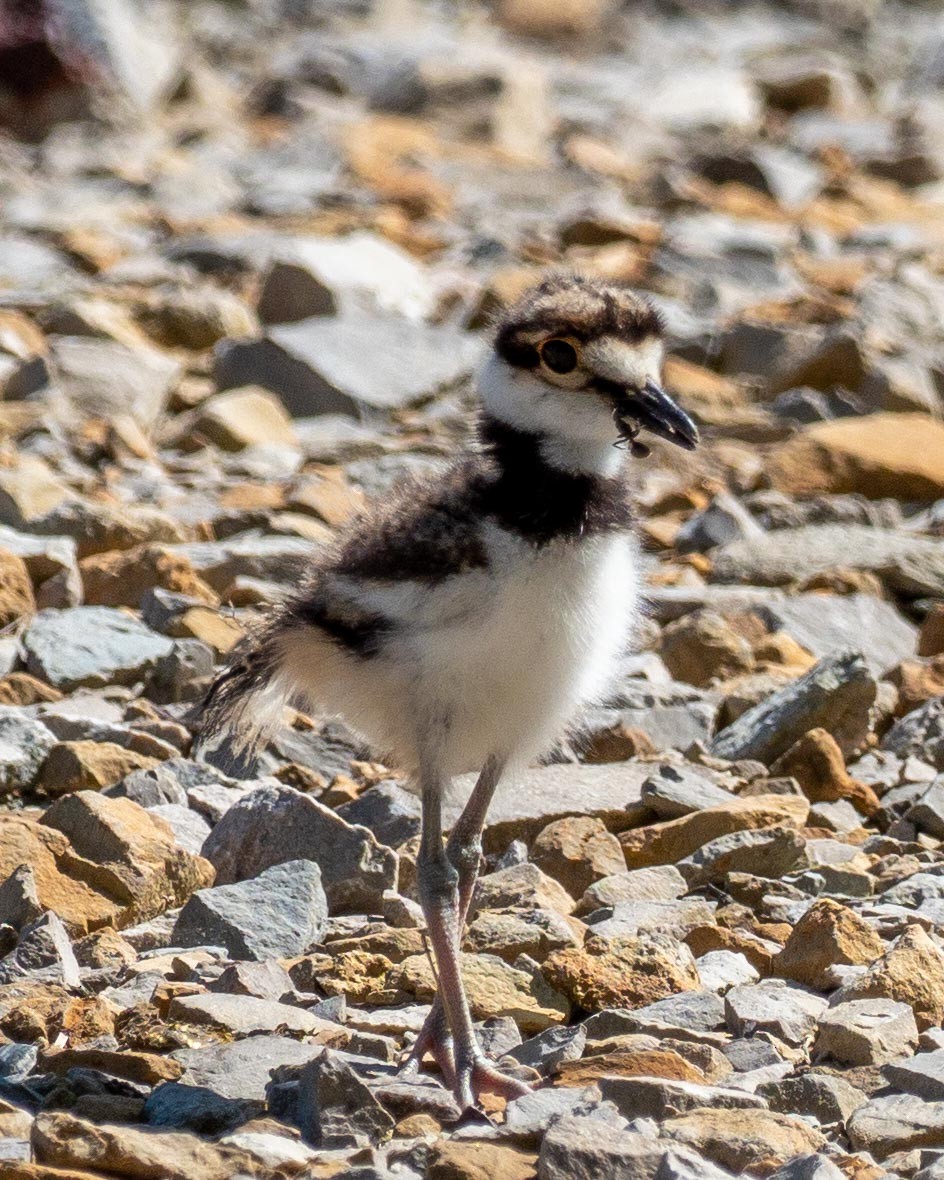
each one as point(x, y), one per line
point(866, 1032)
point(43, 946)
point(101, 378)
point(241, 1069)
point(272, 825)
point(336, 1108)
point(280, 913)
point(836, 694)
point(674, 791)
point(24, 744)
point(922, 1075)
point(91, 646)
point(895, 1122)
point(787, 1010)
point(920, 733)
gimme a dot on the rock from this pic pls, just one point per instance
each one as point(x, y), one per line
point(920, 733)
point(928, 812)
point(540, 795)
point(458, 1160)
point(622, 972)
point(659, 1098)
point(144, 1068)
point(139, 862)
point(521, 931)
point(818, 765)
point(866, 1032)
point(319, 365)
point(910, 972)
point(28, 490)
point(905, 562)
point(124, 578)
point(520, 885)
point(931, 635)
point(547, 1050)
point(281, 912)
point(704, 647)
point(24, 745)
point(827, 935)
point(389, 811)
point(101, 379)
point(190, 829)
point(241, 1069)
point(895, 1122)
point(43, 944)
point(243, 418)
point(16, 591)
point(725, 519)
point(266, 980)
point(899, 455)
point(91, 646)
point(494, 989)
point(335, 1108)
point(676, 839)
point(657, 883)
point(248, 1016)
point(746, 1141)
point(719, 971)
point(579, 1147)
point(272, 825)
point(922, 1075)
point(674, 791)
point(822, 1096)
point(194, 1108)
point(836, 695)
point(789, 1012)
point(825, 624)
point(917, 681)
point(576, 851)
point(88, 766)
point(64, 1141)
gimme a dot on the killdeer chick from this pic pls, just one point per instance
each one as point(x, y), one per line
point(464, 624)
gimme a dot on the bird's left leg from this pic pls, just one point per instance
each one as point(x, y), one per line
point(455, 1045)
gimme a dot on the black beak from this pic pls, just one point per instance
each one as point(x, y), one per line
point(651, 409)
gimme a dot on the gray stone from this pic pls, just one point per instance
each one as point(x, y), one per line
point(241, 1068)
point(101, 378)
point(43, 944)
point(337, 1109)
point(389, 811)
point(330, 364)
point(657, 883)
point(763, 852)
point(719, 971)
point(629, 918)
point(17, 1061)
point(787, 1010)
point(266, 981)
point(92, 646)
point(695, 1011)
point(246, 1015)
point(24, 744)
point(659, 1098)
point(866, 1032)
point(280, 560)
point(808, 1167)
point(725, 519)
point(549, 1048)
point(824, 1097)
point(836, 693)
point(527, 1118)
point(906, 562)
point(281, 912)
point(198, 1109)
point(896, 1122)
point(922, 1074)
point(272, 825)
point(928, 812)
point(920, 733)
point(827, 623)
point(190, 828)
point(674, 791)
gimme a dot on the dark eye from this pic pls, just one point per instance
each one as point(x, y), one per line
point(559, 356)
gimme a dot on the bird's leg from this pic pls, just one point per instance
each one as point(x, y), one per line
point(455, 1046)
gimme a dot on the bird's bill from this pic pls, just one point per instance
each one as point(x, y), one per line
point(651, 408)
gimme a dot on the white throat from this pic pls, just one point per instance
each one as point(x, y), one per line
point(576, 429)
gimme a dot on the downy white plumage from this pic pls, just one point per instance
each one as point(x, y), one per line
point(465, 625)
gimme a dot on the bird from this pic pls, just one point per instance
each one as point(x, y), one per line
point(464, 624)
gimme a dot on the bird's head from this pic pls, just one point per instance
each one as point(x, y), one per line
point(578, 361)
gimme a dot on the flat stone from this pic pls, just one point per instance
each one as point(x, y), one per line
point(241, 1068)
point(196, 1108)
point(911, 971)
point(584, 1147)
point(92, 646)
point(272, 825)
point(622, 972)
point(719, 971)
point(789, 1012)
point(520, 885)
point(389, 811)
point(828, 935)
point(101, 378)
point(247, 1016)
point(658, 1098)
point(655, 883)
point(24, 744)
point(335, 1108)
point(321, 365)
point(280, 913)
point(745, 1141)
point(674, 791)
point(836, 694)
point(922, 1075)
point(866, 1032)
point(824, 1097)
point(919, 733)
point(896, 1122)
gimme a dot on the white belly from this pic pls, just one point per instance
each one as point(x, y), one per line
point(494, 662)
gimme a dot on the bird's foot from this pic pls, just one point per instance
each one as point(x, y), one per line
point(433, 1038)
point(479, 1077)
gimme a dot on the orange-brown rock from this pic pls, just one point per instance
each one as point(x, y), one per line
point(673, 840)
point(207, 624)
point(828, 935)
point(88, 766)
point(16, 590)
point(104, 948)
point(817, 763)
point(560, 18)
point(746, 1142)
point(576, 851)
point(458, 1159)
point(616, 744)
point(652, 1063)
point(759, 952)
point(782, 649)
point(702, 647)
point(122, 577)
point(146, 1068)
point(622, 972)
point(331, 498)
point(19, 688)
point(917, 681)
point(910, 971)
point(900, 455)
